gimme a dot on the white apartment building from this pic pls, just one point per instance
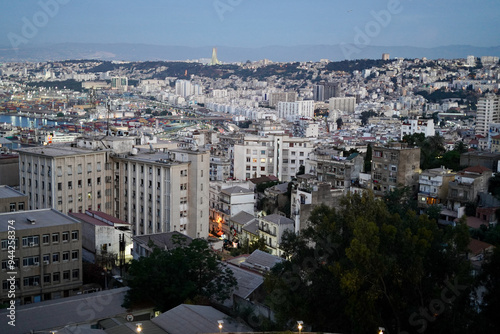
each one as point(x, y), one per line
point(163, 192)
point(425, 126)
point(276, 155)
point(488, 111)
point(66, 178)
point(185, 88)
point(346, 104)
point(292, 111)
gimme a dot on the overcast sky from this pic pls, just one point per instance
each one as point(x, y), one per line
point(251, 23)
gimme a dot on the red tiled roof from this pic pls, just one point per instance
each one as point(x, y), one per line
point(107, 217)
point(88, 219)
point(477, 247)
point(477, 169)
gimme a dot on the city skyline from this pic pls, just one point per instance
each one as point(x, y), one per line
point(238, 23)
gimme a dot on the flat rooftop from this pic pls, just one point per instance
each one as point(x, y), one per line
point(42, 217)
point(56, 150)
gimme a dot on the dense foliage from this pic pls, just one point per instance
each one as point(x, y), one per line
point(185, 273)
point(364, 265)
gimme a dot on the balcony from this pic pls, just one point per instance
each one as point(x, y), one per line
point(267, 230)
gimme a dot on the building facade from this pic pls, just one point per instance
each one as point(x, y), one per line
point(47, 260)
point(12, 200)
point(488, 111)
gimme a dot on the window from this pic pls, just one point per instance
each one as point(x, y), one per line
point(56, 277)
point(31, 261)
point(59, 186)
point(98, 167)
point(74, 255)
point(69, 169)
point(377, 154)
point(20, 205)
point(75, 274)
point(70, 185)
point(89, 182)
point(12, 207)
point(99, 180)
point(31, 241)
point(65, 236)
point(46, 258)
point(89, 167)
point(46, 278)
point(45, 238)
point(55, 237)
point(31, 281)
point(65, 256)
point(5, 264)
point(79, 168)
point(55, 257)
point(79, 183)
point(59, 171)
point(66, 275)
point(74, 235)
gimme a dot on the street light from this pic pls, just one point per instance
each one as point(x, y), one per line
point(138, 327)
point(220, 325)
point(300, 326)
point(381, 330)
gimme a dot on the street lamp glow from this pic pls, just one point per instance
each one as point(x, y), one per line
point(138, 327)
point(381, 330)
point(220, 325)
point(300, 326)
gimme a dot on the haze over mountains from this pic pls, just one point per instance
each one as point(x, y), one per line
point(143, 52)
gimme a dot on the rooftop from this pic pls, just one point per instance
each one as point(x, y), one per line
point(41, 218)
point(236, 190)
point(56, 150)
point(242, 217)
point(8, 192)
point(163, 240)
point(277, 219)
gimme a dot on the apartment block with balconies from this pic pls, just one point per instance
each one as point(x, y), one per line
point(433, 186)
point(271, 229)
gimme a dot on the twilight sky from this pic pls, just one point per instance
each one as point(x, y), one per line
point(251, 23)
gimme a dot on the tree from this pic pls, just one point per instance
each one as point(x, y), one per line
point(368, 159)
point(169, 278)
point(340, 122)
point(374, 267)
point(489, 279)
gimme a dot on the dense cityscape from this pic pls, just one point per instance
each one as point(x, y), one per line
point(226, 166)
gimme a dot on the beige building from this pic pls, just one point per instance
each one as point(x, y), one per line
point(271, 228)
point(47, 257)
point(163, 192)
point(488, 111)
point(12, 200)
point(66, 178)
point(433, 186)
point(394, 166)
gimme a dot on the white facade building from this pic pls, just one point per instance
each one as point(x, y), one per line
point(292, 111)
point(425, 126)
point(488, 111)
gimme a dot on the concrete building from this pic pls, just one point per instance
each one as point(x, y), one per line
point(495, 144)
point(165, 241)
point(276, 155)
point(101, 238)
point(485, 159)
point(433, 186)
point(275, 98)
point(292, 111)
point(119, 83)
point(488, 111)
point(9, 169)
point(325, 90)
point(48, 259)
point(271, 228)
point(394, 166)
point(339, 171)
point(66, 178)
point(411, 126)
point(163, 192)
point(346, 104)
point(12, 200)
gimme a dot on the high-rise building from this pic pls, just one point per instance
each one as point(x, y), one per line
point(275, 98)
point(488, 111)
point(292, 111)
point(48, 256)
point(325, 90)
point(119, 83)
point(346, 104)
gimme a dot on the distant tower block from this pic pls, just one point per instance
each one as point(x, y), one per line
point(215, 61)
point(385, 56)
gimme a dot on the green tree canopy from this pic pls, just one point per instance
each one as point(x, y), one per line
point(169, 278)
point(361, 266)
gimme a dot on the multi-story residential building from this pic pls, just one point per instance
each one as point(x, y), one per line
point(292, 111)
point(154, 192)
point(325, 90)
point(271, 229)
point(104, 237)
point(485, 159)
point(119, 83)
point(433, 186)
point(220, 168)
point(47, 261)
point(238, 227)
point(466, 186)
point(488, 111)
point(165, 241)
point(12, 200)
point(495, 144)
point(394, 166)
point(275, 98)
point(226, 201)
point(346, 104)
point(276, 155)
point(66, 178)
point(339, 171)
point(411, 126)
point(163, 192)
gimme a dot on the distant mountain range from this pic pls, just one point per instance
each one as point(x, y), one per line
point(143, 52)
